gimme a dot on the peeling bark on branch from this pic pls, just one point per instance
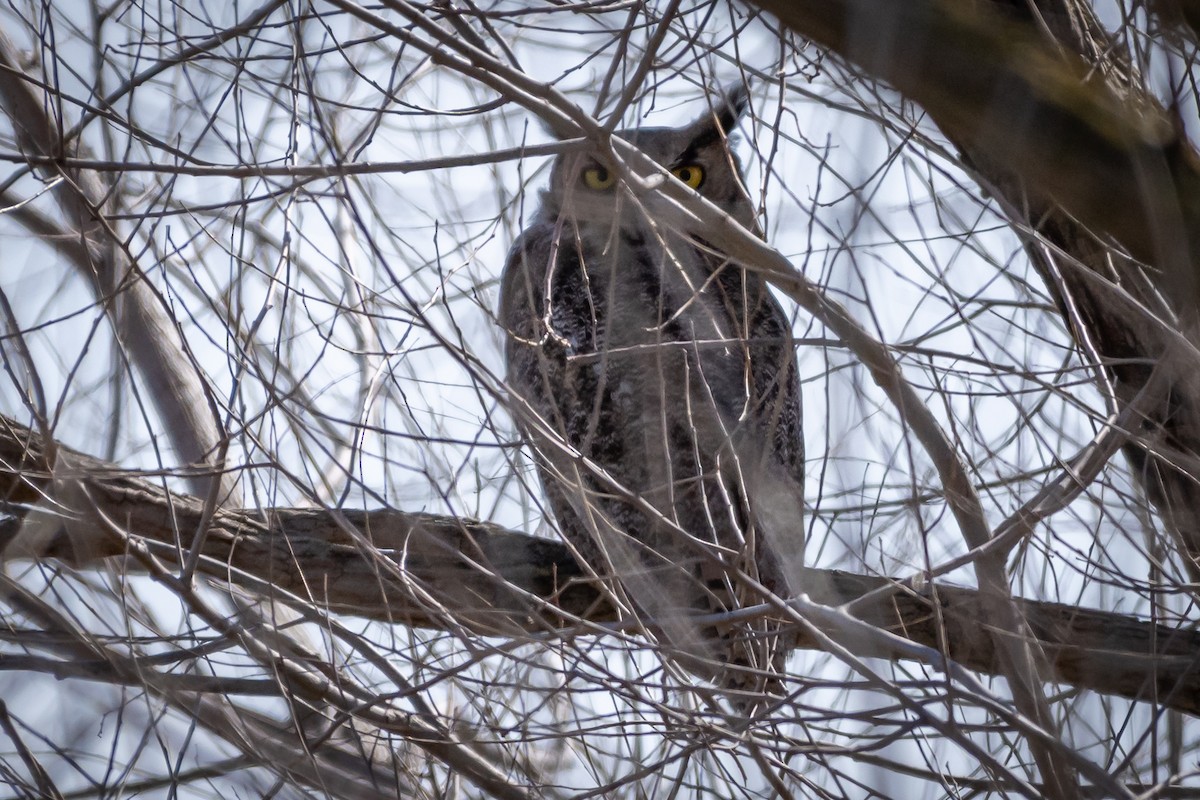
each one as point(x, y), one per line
point(443, 572)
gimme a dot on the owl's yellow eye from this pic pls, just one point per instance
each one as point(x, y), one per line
point(598, 178)
point(692, 175)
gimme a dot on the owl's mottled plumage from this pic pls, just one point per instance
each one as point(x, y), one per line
point(661, 394)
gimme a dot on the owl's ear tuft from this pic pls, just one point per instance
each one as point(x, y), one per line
point(722, 118)
point(733, 106)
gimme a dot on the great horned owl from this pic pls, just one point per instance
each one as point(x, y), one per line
point(657, 382)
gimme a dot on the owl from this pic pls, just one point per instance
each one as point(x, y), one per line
point(656, 382)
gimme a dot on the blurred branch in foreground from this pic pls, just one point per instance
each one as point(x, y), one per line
point(1057, 125)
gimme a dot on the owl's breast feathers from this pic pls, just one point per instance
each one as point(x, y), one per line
point(593, 319)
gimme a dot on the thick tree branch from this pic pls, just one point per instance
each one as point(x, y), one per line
point(1080, 156)
point(446, 573)
point(997, 87)
point(1087, 164)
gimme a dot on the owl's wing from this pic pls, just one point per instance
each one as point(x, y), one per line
point(769, 441)
point(549, 318)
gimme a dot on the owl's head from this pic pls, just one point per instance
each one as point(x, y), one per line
point(586, 188)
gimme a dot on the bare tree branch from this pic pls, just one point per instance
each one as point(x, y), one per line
point(996, 87)
point(441, 572)
point(314, 200)
point(1088, 134)
point(145, 331)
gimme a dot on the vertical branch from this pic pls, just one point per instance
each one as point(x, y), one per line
point(140, 319)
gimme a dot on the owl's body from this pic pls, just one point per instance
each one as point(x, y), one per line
point(661, 394)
